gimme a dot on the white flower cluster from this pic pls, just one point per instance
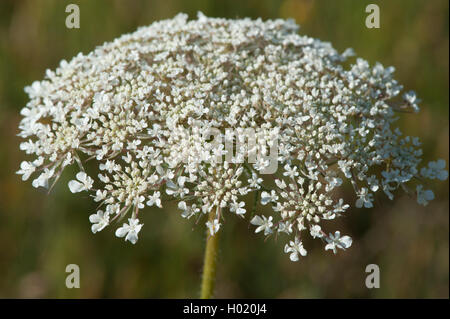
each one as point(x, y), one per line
point(127, 105)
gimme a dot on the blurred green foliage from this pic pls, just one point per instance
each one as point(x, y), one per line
point(40, 234)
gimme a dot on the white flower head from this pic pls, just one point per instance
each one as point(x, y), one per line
point(208, 111)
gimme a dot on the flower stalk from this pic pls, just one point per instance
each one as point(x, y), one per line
point(210, 261)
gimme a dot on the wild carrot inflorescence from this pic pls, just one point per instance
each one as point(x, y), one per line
point(141, 106)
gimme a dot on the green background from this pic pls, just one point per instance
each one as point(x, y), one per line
point(40, 234)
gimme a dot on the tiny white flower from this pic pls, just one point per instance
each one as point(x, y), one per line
point(154, 200)
point(345, 167)
point(336, 241)
point(83, 182)
point(280, 183)
point(238, 208)
point(411, 98)
point(333, 182)
point(42, 180)
point(290, 171)
point(373, 183)
point(130, 231)
point(26, 169)
point(255, 181)
point(100, 195)
point(99, 220)
point(295, 248)
point(109, 166)
point(177, 189)
point(364, 198)
point(188, 211)
point(316, 231)
point(266, 197)
point(139, 201)
point(435, 170)
point(340, 206)
point(285, 227)
point(264, 223)
point(424, 196)
point(213, 227)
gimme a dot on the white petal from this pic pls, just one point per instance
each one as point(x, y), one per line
point(265, 198)
point(346, 241)
point(330, 246)
point(256, 220)
point(287, 248)
point(94, 218)
point(294, 256)
point(75, 186)
point(359, 203)
point(97, 227)
point(303, 251)
point(182, 205)
point(81, 176)
point(132, 237)
point(122, 231)
point(36, 183)
point(428, 195)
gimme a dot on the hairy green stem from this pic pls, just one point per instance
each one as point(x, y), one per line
point(210, 261)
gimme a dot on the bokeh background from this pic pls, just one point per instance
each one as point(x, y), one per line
point(40, 234)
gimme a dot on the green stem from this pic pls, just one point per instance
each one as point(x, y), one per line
point(210, 261)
